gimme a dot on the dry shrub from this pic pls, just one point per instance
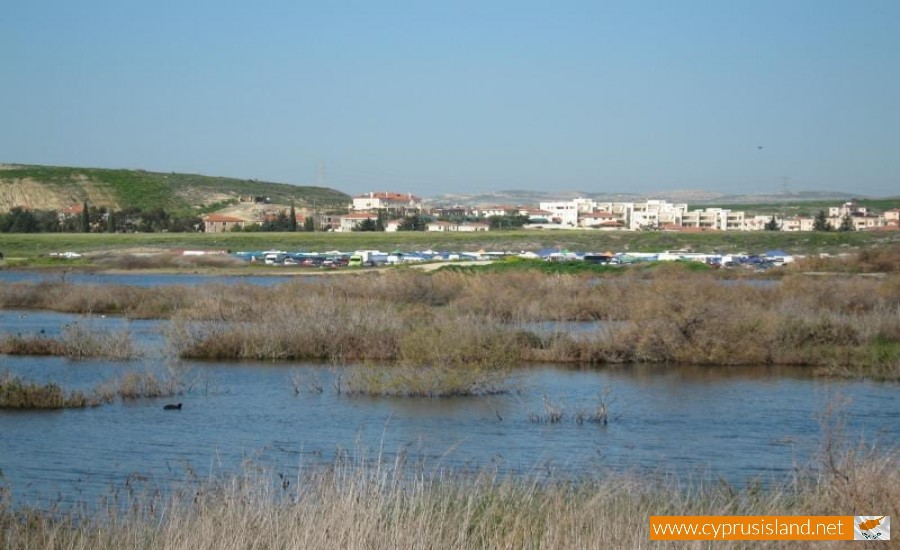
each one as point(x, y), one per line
point(445, 358)
point(140, 385)
point(31, 345)
point(299, 327)
point(667, 313)
point(422, 381)
point(82, 339)
point(809, 295)
point(79, 340)
point(693, 321)
point(133, 301)
point(882, 259)
point(465, 342)
point(409, 287)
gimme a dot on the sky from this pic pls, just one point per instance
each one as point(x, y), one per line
point(737, 96)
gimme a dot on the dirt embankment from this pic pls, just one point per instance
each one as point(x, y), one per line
point(36, 195)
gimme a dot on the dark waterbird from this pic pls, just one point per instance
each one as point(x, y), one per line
point(171, 407)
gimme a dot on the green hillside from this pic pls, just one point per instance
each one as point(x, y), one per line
point(54, 187)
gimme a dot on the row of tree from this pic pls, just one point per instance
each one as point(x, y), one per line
point(94, 219)
point(820, 223)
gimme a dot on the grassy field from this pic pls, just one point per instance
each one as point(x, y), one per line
point(31, 246)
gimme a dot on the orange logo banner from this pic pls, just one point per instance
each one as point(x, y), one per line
point(751, 527)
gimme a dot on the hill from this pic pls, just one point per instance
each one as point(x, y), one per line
point(698, 198)
point(57, 187)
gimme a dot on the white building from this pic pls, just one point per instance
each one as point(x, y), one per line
point(350, 221)
point(567, 212)
point(392, 202)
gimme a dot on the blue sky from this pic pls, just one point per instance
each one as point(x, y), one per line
point(442, 97)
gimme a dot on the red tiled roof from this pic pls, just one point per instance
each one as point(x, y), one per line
point(221, 218)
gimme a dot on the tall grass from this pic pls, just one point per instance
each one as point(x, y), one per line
point(359, 504)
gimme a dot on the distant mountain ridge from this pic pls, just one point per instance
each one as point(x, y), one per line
point(516, 197)
point(58, 187)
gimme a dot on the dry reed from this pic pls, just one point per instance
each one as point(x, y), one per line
point(358, 504)
point(669, 314)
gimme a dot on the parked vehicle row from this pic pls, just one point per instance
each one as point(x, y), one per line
point(374, 258)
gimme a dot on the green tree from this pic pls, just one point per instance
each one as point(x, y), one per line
point(412, 223)
point(280, 223)
point(367, 224)
point(293, 218)
point(111, 222)
point(19, 220)
point(309, 224)
point(846, 223)
point(772, 224)
point(85, 218)
point(821, 222)
point(508, 222)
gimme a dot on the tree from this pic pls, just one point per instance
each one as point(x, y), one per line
point(280, 223)
point(821, 222)
point(367, 224)
point(380, 222)
point(772, 224)
point(412, 223)
point(111, 222)
point(846, 223)
point(309, 224)
point(293, 218)
point(515, 221)
point(19, 220)
point(85, 218)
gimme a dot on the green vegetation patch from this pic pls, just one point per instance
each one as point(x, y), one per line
point(151, 190)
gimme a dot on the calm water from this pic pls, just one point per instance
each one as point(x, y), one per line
point(737, 423)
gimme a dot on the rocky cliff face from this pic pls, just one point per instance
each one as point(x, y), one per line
point(36, 195)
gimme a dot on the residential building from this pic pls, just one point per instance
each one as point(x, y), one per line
point(600, 220)
point(350, 221)
point(892, 218)
point(562, 212)
point(220, 223)
point(394, 203)
point(798, 223)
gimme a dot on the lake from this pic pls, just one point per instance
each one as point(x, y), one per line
point(735, 423)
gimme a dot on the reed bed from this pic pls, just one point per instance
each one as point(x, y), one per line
point(361, 504)
point(18, 393)
point(841, 325)
point(79, 340)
